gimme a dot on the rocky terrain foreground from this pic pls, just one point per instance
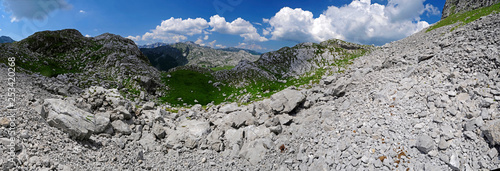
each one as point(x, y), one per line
point(427, 102)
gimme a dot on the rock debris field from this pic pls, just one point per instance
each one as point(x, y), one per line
point(427, 102)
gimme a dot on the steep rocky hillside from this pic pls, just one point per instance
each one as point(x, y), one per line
point(294, 62)
point(167, 56)
point(79, 62)
point(458, 6)
point(6, 39)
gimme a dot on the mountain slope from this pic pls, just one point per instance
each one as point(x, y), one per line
point(167, 57)
point(294, 62)
point(458, 6)
point(107, 60)
point(6, 39)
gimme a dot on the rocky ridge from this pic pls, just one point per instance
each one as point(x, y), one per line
point(167, 56)
point(6, 39)
point(458, 6)
point(427, 102)
point(107, 60)
point(294, 62)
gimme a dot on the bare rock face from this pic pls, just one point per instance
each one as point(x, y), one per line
point(492, 132)
point(68, 118)
point(286, 101)
point(457, 6)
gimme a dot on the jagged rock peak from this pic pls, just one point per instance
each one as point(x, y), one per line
point(457, 6)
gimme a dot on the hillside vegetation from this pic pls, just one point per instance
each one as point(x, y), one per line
point(297, 66)
point(465, 17)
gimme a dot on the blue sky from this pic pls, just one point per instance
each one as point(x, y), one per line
point(262, 25)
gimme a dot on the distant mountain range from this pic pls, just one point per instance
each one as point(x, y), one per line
point(6, 39)
point(233, 49)
point(165, 56)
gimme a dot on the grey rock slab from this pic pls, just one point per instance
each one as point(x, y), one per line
point(276, 129)
point(492, 131)
point(148, 106)
point(492, 153)
point(121, 110)
point(443, 144)
point(495, 92)
point(234, 136)
point(254, 151)
point(153, 115)
point(487, 102)
point(102, 122)
point(191, 132)
point(159, 131)
point(454, 162)
point(148, 141)
point(239, 119)
point(285, 119)
point(229, 108)
point(286, 101)
point(121, 127)
point(463, 97)
point(425, 143)
point(195, 128)
point(328, 80)
point(68, 118)
point(214, 140)
point(471, 135)
point(252, 132)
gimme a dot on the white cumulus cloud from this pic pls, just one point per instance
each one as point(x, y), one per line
point(82, 11)
point(179, 26)
point(33, 9)
point(173, 30)
point(360, 22)
point(177, 29)
point(237, 27)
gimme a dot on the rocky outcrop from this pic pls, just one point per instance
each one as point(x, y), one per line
point(458, 6)
point(70, 119)
point(292, 62)
point(76, 62)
